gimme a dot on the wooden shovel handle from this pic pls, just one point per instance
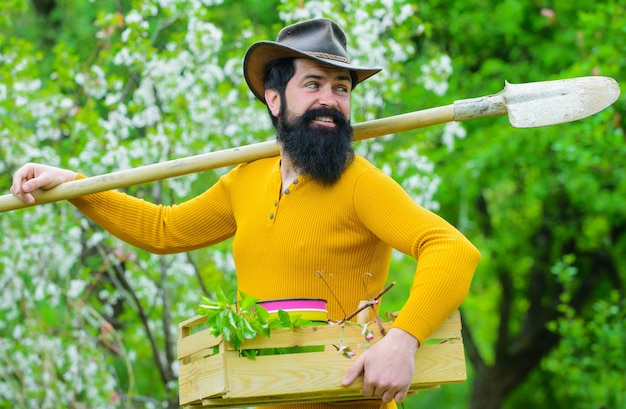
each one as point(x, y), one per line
point(218, 159)
point(403, 122)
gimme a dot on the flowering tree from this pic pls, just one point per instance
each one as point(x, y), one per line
point(87, 319)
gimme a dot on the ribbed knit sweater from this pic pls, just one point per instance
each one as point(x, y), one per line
point(283, 243)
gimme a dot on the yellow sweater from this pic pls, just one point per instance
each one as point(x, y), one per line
point(281, 243)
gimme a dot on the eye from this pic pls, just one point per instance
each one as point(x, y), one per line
point(312, 85)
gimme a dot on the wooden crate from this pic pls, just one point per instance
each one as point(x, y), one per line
point(212, 374)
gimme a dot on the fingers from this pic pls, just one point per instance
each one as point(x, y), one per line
point(33, 176)
point(387, 391)
point(373, 384)
point(24, 197)
point(353, 372)
point(20, 188)
point(399, 396)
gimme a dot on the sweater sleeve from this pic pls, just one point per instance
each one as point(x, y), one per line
point(446, 260)
point(204, 220)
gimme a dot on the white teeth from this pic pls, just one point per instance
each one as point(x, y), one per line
point(325, 119)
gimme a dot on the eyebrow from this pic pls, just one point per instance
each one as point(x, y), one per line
point(341, 77)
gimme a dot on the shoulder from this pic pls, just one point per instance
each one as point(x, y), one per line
point(255, 169)
point(362, 163)
point(368, 182)
point(359, 166)
point(361, 170)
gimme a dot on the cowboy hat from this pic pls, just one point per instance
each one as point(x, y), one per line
point(318, 39)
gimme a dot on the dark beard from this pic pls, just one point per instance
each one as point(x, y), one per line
point(318, 151)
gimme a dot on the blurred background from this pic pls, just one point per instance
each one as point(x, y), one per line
point(100, 86)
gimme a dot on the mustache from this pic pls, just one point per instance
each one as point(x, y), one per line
point(338, 118)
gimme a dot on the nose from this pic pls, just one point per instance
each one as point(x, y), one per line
point(327, 98)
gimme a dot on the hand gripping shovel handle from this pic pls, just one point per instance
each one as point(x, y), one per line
point(527, 105)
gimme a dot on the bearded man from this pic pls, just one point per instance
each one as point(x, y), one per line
point(316, 208)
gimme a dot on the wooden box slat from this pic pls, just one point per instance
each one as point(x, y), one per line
point(202, 378)
point(228, 380)
point(200, 341)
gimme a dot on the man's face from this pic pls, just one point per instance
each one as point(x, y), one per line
point(313, 120)
point(316, 85)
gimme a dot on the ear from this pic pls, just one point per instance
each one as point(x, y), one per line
point(272, 98)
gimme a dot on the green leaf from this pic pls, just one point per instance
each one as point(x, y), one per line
point(211, 302)
point(248, 331)
point(221, 296)
point(232, 318)
point(298, 321)
point(226, 333)
point(247, 301)
point(284, 318)
point(266, 331)
point(262, 315)
point(250, 353)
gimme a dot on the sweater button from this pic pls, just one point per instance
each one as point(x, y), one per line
point(271, 216)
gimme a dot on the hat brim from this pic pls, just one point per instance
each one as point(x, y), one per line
point(260, 54)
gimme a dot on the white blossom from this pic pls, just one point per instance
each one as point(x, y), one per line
point(451, 131)
point(436, 73)
point(76, 288)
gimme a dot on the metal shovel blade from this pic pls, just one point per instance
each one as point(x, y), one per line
point(554, 102)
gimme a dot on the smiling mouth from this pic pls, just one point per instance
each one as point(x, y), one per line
point(325, 119)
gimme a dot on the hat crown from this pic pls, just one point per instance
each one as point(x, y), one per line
point(318, 39)
point(319, 36)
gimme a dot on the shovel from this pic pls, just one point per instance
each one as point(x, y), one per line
point(527, 105)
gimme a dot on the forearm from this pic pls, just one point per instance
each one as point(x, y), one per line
point(441, 283)
point(446, 260)
point(156, 228)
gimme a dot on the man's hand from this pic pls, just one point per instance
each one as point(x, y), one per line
point(33, 176)
point(387, 367)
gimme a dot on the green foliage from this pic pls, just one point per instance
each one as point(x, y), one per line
point(236, 321)
point(244, 319)
point(592, 344)
point(530, 198)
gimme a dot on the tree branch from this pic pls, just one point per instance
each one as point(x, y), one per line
point(471, 349)
point(119, 278)
point(170, 342)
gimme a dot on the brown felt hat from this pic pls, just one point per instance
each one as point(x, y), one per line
point(319, 39)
